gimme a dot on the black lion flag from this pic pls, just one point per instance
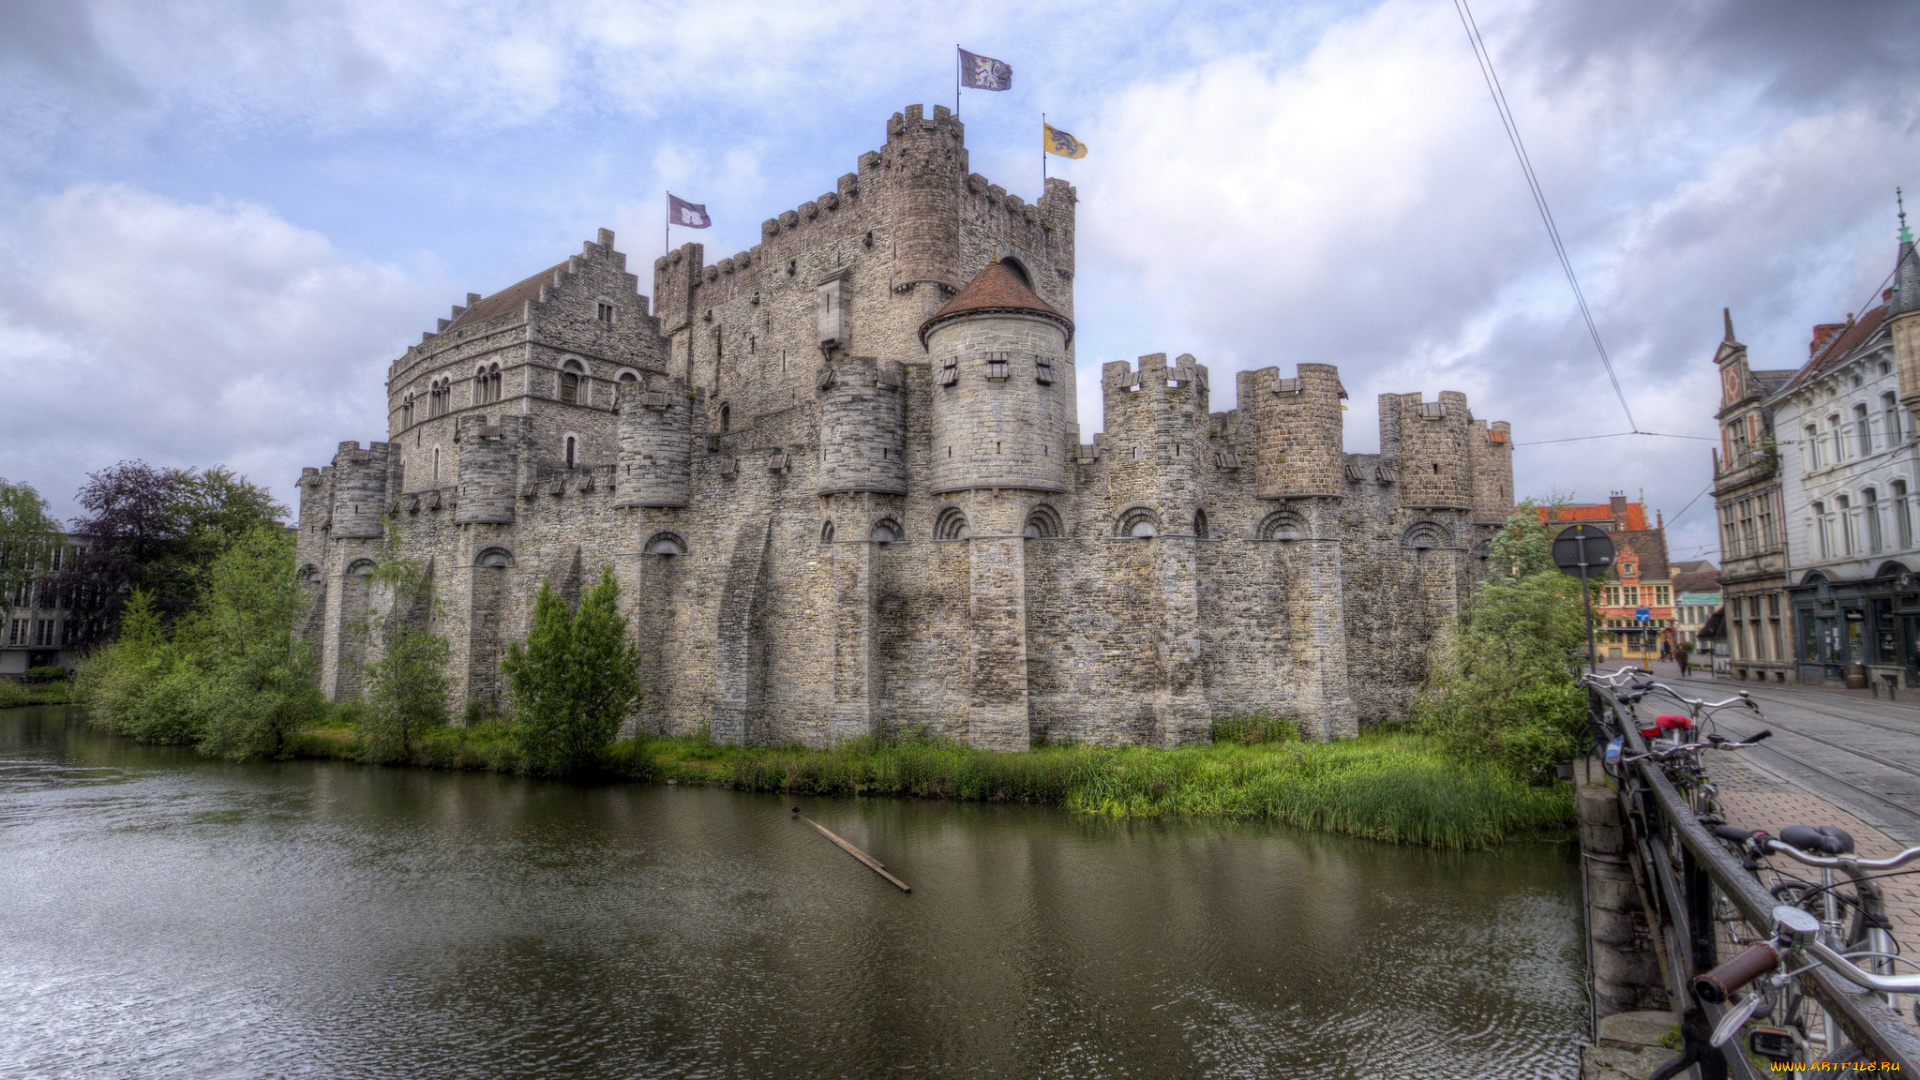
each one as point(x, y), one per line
point(984, 72)
point(688, 215)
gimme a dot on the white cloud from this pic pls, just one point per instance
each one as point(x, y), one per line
point(135, 326)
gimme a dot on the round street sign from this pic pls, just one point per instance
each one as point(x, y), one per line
point(1583, 544)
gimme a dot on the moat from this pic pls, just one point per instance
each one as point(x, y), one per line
point(166, 915)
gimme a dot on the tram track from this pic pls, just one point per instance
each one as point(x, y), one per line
point(1901, 810)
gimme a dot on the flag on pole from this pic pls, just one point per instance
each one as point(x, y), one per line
point(1059, 142)
point(984, 72)
point(686, 214)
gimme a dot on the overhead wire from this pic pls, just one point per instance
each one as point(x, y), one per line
point(1499, 95)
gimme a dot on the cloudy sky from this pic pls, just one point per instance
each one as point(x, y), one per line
point(220, 221)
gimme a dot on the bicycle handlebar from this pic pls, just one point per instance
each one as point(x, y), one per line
point(1662, 753)
point(1838, 862)
point(1718, 985)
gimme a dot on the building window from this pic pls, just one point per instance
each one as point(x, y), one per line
point(436, 464)
point(1890, 407)
point(996, 365)
point(1843, 506)
point(949, 371)
point(1862, 430)
point(1763, 516)
point(17, 632)
point(605, 313)
point(1813, 447)
point(1043, 370)
point(1902, 515)
point(570, 450)
point(569, 387)
point(1872, 512)
point(624, 389)
point(1823, 529)
point(1839, 439)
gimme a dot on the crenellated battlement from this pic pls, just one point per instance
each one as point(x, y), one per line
point(1298, 432)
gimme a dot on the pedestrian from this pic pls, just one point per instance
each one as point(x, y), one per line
point(1666, 649)
point(1683, 662)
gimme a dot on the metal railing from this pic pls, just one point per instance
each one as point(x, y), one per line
point(1652, 810)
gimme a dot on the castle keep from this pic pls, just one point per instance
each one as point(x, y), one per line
point(841, 481)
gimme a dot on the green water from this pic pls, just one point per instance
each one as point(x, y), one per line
point(162, 915)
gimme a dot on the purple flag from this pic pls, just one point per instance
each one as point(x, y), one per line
point(984, 72)
point(688, 215)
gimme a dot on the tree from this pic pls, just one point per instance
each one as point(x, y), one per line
point(27, 536)
point(574, 680)
point(159, 530)
point(1503, 684)
point(260, 684)
point(407, 687)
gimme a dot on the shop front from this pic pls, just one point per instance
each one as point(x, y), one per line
point(1871, 626)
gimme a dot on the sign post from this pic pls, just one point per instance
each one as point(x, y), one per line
point(1577, 550)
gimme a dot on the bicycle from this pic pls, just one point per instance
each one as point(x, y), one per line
point(1852, 927)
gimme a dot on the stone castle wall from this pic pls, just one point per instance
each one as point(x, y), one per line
point(824, 529)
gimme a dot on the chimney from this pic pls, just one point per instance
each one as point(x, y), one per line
point(1822, 334)
point(1618, 504)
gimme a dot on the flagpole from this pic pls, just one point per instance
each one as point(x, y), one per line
point(1043, 153)
point(667, 232)
point(956, 80)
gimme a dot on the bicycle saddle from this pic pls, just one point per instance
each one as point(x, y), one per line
point(1824, 839)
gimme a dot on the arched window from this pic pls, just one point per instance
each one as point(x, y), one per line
point(1844, 507)
point(480, 386)
point(885, 531)
point(406, 410)
point(1890, 408)
point(1200, 524)
point(1426, 535)
point(826, 531)
point(1139, 522)
point(570, 387)
point(1043, 523)
point(436, 464)
point(493, 383)
point(570, 451)
point(1282, 525)
point(1862, 430)
point(1902, 515)
point(1839, 439)
point(1871, 511)
point(666, 543)
point(726, 418)
point(624, 387)
point(950, 525)
point(494, 558)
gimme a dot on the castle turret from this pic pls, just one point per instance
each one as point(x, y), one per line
point(1001, 412)
point(488, 456)
point(862, 437)
point(359, 491)
point(1299, 447)
point(928, 161)
point(1490, 457)
point(1155, 441)
point(1431, 440)
point(1903, 318)
point(656, 446)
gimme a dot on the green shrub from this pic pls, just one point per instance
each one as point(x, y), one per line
point(574, 680)
point(48, 673)
point(1503, 685)
point(407, 690)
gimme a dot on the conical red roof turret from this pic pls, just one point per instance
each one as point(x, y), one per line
point(998, 287)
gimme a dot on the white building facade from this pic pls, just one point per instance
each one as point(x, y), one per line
point(1851, 498)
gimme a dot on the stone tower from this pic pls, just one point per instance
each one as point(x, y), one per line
point(1000, 436)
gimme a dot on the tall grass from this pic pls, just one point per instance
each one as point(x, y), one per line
point(1396, 786)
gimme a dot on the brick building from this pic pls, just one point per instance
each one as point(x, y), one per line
point(841, 481)
point(1634, 606)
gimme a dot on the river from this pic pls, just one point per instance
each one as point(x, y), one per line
point(162, 915)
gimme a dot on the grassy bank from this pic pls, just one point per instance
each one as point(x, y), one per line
point(53, 692)
point(1387, 785)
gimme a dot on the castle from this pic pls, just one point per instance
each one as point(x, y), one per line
point(841, 481)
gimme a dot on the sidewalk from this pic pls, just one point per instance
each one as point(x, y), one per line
point(1668, 669)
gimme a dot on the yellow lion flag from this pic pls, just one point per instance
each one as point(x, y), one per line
point(1059, 142)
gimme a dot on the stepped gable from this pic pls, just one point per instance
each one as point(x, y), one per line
point(997, 288)
point(508, 299)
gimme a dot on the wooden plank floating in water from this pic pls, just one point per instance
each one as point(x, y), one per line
point(873, 864)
